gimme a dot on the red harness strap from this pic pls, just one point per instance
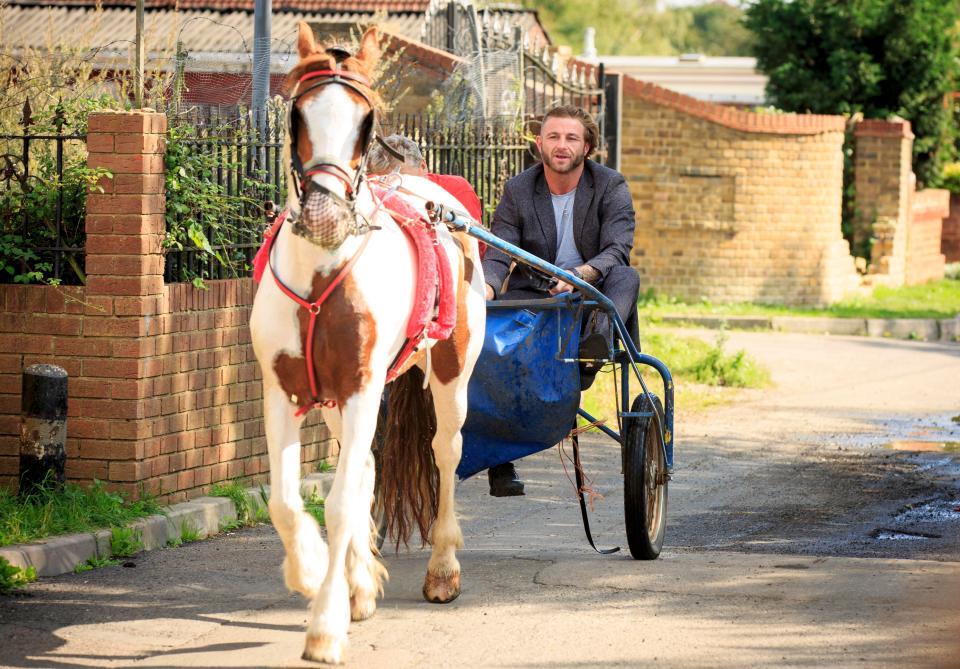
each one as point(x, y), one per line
point(314, 309)
point(434, 312)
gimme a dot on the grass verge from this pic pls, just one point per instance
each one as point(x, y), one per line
point(73, 508)
point(701, 373)
point(937, 299)
point(249, 511)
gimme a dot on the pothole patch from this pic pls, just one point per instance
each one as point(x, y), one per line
point(937, 511)
point(887, 534)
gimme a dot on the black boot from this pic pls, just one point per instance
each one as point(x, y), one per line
point(504, 481)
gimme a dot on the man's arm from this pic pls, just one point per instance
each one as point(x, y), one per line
point(506, 226)
point(617, 221)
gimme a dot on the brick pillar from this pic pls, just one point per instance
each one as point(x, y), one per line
point(124, 263)
point(950, 238)
point(884, 184)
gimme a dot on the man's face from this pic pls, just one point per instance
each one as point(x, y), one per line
point(561, 143)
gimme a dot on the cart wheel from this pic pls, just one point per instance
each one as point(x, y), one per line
point(645, 484)
point(378, 511)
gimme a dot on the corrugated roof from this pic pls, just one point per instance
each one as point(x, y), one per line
point(208, 32)
point(203, 34)
point(247, 5)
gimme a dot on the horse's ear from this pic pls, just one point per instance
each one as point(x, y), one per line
point(369, 52)
point(306, 44)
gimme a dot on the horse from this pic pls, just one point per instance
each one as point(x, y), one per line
point(331, 325)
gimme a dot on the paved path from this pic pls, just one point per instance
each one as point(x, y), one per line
point(771, 558)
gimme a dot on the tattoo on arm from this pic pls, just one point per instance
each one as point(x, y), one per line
point(590, 274)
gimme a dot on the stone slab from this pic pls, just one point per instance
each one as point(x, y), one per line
point(819, 325)
point(736, 322)
point(925, 329)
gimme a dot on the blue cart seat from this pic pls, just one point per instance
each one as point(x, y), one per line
point(523, 397)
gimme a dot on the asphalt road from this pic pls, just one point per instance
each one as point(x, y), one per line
point(797, 537)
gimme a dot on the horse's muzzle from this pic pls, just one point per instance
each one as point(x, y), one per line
point(325, 219)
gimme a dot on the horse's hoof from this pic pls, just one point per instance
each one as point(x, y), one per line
point(324, 648)
point(441, 589)
point(362, 607)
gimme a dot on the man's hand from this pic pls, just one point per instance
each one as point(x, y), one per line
point(488, 291)
point(589, 274)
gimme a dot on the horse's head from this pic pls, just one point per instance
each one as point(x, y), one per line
point(331, 121)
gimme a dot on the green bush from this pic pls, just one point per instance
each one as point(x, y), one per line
point(125, 541)
point(951, 177)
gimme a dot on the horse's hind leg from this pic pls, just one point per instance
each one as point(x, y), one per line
point(365, 573)
point(442, 582)
point(345, 512)
point(305, 564)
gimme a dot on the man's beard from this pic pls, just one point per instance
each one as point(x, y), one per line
point(576, 160)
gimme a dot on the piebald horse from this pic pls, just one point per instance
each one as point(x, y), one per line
point(329, 324)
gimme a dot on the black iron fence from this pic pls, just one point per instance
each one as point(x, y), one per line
point(485, 154)
point(43, 184)
point(221, 170)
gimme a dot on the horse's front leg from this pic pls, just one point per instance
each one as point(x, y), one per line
point(305, 564)
point(347, 511)
point(365, 573)
point(442, 582)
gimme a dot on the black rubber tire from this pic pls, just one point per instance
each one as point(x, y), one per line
point(377, 511)
point(644, 500)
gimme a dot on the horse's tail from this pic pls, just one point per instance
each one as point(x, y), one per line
point(409, 478)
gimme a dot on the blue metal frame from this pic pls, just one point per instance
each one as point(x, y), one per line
point(460, 224)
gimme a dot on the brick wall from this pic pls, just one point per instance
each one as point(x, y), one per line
point(732, 205)
point(950, 237)
point(163, 389)
point(924, 261)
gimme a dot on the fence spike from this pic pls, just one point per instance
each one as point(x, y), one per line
point(27, 119)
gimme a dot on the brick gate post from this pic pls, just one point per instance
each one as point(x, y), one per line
point(884, 187)
point(124, 264)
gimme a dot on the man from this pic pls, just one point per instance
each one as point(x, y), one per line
point(574, 213)
point(381, 161)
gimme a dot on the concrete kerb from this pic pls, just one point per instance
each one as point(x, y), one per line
point(924, 329)
point(204, 515)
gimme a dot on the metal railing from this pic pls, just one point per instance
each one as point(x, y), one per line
point(485, 154)
point(42, 202)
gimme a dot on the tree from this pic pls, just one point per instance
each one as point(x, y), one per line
point(635, 27)
point(878, 57)
point(714, 29)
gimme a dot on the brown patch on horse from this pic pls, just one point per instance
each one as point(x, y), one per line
point(448, 356)
point(409, 475)
point(344, 337)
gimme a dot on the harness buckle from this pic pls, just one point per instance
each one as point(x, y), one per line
point(314, 308)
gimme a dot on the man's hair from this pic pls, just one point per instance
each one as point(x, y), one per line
point(591, 131)
point(381, 161)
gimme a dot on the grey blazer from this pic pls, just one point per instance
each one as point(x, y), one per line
point(603, 222)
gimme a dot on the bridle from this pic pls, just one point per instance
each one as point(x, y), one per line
point(330, 165)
